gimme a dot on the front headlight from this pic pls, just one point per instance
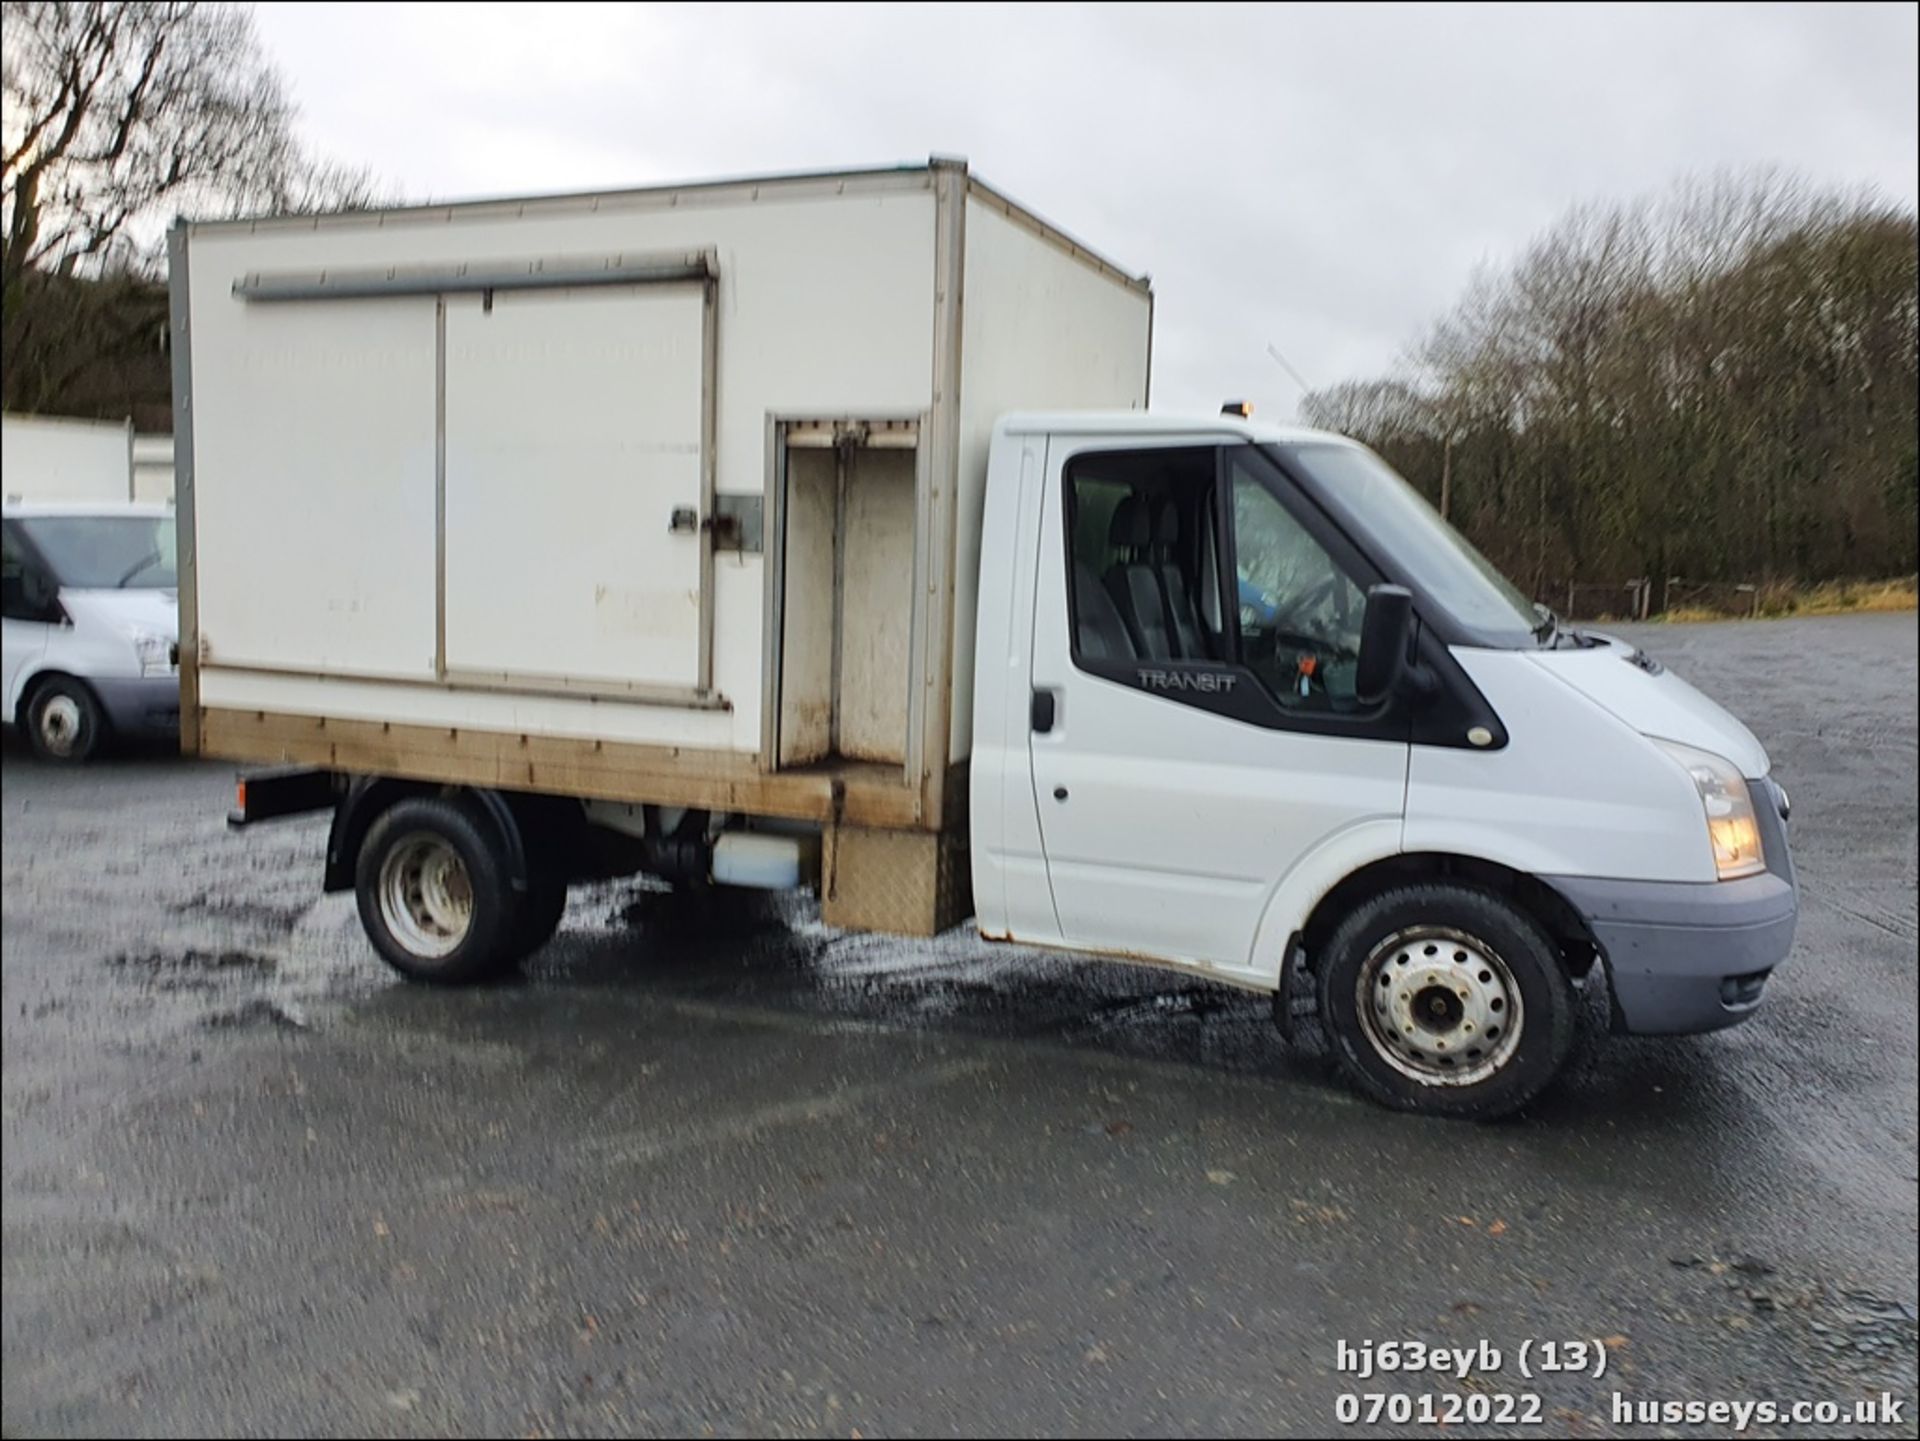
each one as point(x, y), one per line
point(1731, 823)
point(154, 652)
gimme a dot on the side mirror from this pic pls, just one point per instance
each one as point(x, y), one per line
point(1385, 631)
point(37, 590)
point(42, 596)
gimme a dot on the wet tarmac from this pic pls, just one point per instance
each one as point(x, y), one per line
point(713, 1168)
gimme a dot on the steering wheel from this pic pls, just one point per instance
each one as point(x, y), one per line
point(1288, 633)
point(1272, 642)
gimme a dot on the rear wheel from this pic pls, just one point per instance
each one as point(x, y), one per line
point(1446, 999)
point(64, 721)
point(431, 884)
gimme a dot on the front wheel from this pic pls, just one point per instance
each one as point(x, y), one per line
point(433, 894)
point(64, 722)
point(1446, 999)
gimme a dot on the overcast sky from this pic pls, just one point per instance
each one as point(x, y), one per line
point(1319, 178)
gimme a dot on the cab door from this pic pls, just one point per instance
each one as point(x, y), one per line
point(1195, 728)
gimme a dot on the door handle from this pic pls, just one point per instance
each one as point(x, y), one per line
point(1040, 712)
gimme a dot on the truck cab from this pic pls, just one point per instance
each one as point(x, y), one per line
point(1395, 784)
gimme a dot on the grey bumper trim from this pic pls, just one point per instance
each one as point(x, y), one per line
point(144, 706)
point(1683, 958)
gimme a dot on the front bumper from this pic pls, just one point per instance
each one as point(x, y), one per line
point(146, 706)
point(1683, 958)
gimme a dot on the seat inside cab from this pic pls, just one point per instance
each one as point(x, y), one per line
point(1145, 555)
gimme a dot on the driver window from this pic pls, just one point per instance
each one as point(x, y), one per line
point(1300, 614)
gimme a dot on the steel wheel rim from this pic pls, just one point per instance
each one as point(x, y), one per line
point(61, 722)
point(426, 896)
point(1439, 1006)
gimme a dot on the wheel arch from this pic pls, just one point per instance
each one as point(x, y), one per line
point(28, 683)
point(16, 698)
point(369, 796)
point(1573, 938)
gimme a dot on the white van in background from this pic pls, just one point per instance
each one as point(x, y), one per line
point(91, 621)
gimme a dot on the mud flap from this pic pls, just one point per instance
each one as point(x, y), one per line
point(1296, 1006)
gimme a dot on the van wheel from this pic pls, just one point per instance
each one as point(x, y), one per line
point(433, 893)
point(1446, 999)
point(64, 722)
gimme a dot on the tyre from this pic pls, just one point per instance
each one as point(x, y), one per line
point(64, 721)
point(540, 911)
point(1446, 999)
point(433, 894)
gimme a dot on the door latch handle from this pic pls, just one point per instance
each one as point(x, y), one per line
point(1059, 793)
point(1040, 713)
point(722, 526)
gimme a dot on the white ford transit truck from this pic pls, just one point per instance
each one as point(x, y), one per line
point(813, 530)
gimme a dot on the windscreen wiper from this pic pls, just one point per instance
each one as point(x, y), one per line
point(1548, 627)
point(151, 558)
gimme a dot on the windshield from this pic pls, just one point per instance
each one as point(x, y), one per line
point(105, 552)
point(1435, 557)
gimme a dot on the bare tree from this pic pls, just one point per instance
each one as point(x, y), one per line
point(1373, 408)
point(1721, 384)
point(120, 115)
